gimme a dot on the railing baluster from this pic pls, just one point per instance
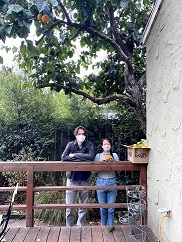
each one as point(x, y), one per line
point(30, 197)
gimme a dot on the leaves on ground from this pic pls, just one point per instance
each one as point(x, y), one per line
point(111, 228)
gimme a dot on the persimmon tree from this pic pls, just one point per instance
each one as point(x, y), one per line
point(82, 27)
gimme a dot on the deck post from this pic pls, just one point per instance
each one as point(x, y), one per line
point(143, 176)
point(143, 182)
point(30, 197)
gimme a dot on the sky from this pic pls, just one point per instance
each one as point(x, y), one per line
point(10, 42)
point(8, 56)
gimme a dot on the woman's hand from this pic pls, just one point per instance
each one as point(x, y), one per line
point(108, 158)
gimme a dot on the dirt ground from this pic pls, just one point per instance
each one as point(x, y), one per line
point(22, 223)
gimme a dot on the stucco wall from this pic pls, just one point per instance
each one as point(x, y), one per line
point(164, 120)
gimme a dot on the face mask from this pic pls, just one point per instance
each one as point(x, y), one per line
point(106, 147)
point(80, 138)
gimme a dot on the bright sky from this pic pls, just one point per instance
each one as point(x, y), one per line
point(8, 57)
point(10, 42)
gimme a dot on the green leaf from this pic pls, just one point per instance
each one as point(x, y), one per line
point(67, 41)
point(30, 46)
point(70, 53)
point(146, 2)
point(22, 32)
point(2, 3)
point(62, 36)
point(43, 6)
point(123, 4)
point(54, 3)
point(50, 67)
point(8, 29)
point(3, 36)
point(26, 24)
point(14, 8)
point(49, 33)
point(1, 60)
point(23, 49)
point(111, 228)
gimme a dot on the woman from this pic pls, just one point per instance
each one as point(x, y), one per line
point(106, 178)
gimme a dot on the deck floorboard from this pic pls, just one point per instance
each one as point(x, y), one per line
point(73, 234)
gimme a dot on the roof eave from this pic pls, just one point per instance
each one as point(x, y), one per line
point(152, 17)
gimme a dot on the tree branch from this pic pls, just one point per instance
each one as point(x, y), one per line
point(93, 31)
point(123, 56)
point(65, 12)
point(99, 101)
point(142, 81)
point(51, 27)
point(115, 30)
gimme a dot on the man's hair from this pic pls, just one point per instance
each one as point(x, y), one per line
point(79, 127)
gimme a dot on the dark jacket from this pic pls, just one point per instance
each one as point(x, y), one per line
point(87, 154)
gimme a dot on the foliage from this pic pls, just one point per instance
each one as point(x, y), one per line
point(72, 111)
point(21, 177)
point(51, 216)
point(126, 129)
point(25, 119)
point(112, 26)
point(30, 118)
point(12, 178)
point(121, 127)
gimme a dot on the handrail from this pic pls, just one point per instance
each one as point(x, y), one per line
point(34, 166)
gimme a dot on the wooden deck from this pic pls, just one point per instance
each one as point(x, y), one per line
point(73, 234)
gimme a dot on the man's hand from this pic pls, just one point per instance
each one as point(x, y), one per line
point(71, 155)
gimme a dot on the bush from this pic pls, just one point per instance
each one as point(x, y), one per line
point(50, 216)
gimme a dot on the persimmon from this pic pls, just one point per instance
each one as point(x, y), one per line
point(108, 158)
point(39, 17)
point(45, 18)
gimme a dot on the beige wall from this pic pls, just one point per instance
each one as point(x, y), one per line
point(164, 120)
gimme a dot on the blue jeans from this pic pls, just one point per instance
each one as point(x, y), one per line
point(106, 196)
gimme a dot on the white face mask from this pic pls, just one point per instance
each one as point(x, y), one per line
point(106, 147)
point(80, 138)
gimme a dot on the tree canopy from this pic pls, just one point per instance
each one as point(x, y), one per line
point(83, 27)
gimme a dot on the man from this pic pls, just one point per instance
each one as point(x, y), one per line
point(76, 151)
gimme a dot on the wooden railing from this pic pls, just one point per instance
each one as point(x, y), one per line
point(34, 166)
